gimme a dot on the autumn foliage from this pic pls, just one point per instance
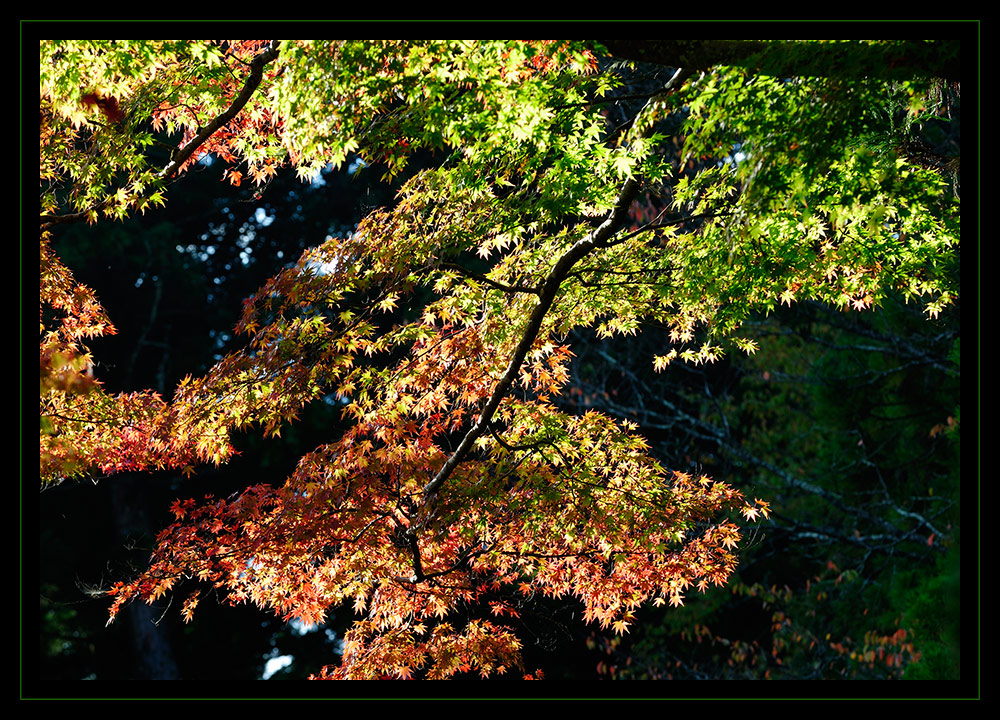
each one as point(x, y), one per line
point(461, 482)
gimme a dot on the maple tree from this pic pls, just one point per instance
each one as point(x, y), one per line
point(568, 191)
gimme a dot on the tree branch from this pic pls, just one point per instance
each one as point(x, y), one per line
point(183, 154)
point(485, 280)
point(546, 297)
point(596, 238)
point(249, 87)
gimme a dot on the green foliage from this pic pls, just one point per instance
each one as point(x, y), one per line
point(929, 600)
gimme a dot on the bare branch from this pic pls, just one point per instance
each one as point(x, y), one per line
point(492, 283)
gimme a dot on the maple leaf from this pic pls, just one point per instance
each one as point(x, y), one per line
point(178, 509)
point(187, 611)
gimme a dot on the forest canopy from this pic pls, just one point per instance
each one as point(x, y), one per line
point(562, 213)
